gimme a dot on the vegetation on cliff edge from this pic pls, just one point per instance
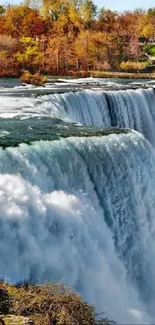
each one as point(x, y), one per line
point(49, 304)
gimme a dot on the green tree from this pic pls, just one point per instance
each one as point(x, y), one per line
point(30, 55)
point(88, 11)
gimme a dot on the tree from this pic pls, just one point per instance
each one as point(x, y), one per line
point(53, 8)
point(134, 51)
point(147, 25)
point(68, 23)
point(23, 21)
point(7, 43)
point(91, 49)
point(59, 54)
point(88, 10)
point(72, 34)
point(30, 56)
point(2, 10)
point(107, 20)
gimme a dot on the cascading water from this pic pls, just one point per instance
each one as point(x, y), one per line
point(82, 210)
point(133, 109)
point(123, 108)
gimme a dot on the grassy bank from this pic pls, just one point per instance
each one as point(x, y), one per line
point(50, 304)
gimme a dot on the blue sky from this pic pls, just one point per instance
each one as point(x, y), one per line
point(121, 5)
point(118, 5)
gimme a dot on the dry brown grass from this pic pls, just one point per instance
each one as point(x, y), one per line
point(51, 304)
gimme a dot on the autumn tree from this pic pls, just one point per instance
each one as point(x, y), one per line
point(147, 25)
point(63, 35)
point(91, 50)
point(107, 20)
point(53, 8)
point(30, 55)
point(23, 21)
point(7, 43)
point(59, 54)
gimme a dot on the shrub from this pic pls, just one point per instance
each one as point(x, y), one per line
point(52, 304)
point(132, 66)
point(103, 66)
point(34, 79)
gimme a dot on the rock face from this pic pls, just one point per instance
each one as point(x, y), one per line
point(15, 320)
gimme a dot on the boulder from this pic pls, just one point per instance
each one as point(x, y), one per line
point(15, 320)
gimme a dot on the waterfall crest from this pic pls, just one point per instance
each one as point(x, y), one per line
point(134, 109)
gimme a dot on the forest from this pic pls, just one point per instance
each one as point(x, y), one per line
point(64, 37)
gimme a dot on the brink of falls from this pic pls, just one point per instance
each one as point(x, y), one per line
point(133, 109)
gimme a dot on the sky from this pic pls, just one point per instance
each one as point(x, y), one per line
point(118, 5)
point(121, 5)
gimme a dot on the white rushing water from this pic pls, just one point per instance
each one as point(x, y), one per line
point(81, 210)
point(123, 108)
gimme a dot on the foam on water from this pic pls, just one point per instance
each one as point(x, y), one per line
point(82, 210)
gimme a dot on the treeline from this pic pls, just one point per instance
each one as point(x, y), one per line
point(59, 36)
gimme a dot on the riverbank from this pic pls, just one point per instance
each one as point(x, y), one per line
point(111, 74)
point(93, 74)
point(38, 80)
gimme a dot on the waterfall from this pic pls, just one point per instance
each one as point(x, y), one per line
point(133, 109)
point(81, 210)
